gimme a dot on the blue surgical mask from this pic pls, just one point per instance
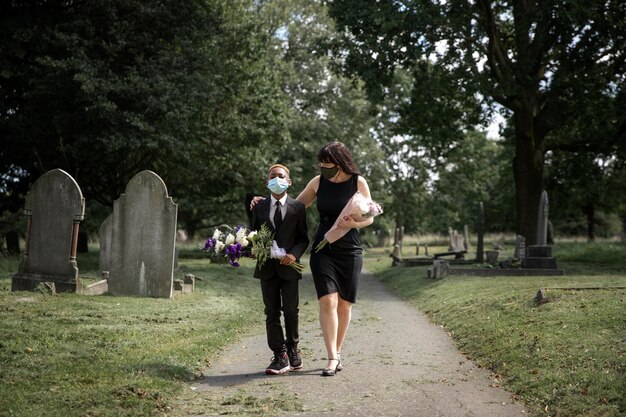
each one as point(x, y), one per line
point(278, 185)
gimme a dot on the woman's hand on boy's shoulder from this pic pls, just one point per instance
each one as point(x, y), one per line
point(255, 200)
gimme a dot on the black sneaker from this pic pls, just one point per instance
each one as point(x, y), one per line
point(279, 365)
point(295, 360)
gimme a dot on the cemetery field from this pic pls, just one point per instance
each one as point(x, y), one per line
point(76, 355)
point(566, 357)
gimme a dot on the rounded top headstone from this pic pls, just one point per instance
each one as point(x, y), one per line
point(146, 180)
point(63, 185)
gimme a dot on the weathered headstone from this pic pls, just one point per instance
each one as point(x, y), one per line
point(440, 269)
point(480, 230)
point(54, 208)
point(451, 238)
point(106, 236)
point(492, 256)
point(458, 243)
point(466, 241)
point(520, 247)
point(396, 253)
point(143, 239)
point(539, 256)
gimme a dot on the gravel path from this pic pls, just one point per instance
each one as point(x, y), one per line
point(396, 363)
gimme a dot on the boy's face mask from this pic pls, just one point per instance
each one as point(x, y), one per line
point(277, 185)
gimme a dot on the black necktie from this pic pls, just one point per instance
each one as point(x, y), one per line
point(278, 216)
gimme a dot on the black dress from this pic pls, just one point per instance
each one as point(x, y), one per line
point(337, 266)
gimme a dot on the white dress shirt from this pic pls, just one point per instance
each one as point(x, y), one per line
point(283, 207)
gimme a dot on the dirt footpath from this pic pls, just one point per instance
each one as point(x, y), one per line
point(396, 363)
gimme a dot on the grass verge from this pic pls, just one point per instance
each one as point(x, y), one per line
point(564, 358)
point(72, 355)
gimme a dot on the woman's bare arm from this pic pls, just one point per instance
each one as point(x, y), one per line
point(309, 194)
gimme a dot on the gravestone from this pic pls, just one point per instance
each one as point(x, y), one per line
point(466, 242)
point(106, 236)
point(492, 256)
point(143, 239)
point(520, 247)
point(480, 230)
point(458, 242)
point(539, 256)
point(54, 208)
point(440, 269)
point(451, 239)
point(395, 255)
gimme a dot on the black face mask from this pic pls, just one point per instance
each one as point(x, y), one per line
point(329, 173)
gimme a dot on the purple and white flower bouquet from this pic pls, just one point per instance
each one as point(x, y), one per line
point(228, 245)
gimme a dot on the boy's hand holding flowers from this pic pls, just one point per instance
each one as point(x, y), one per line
point(264, 247)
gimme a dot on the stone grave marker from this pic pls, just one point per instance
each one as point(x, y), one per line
point(466, 241)
point(143, 239)
point(480, 230)
point(539, 256)
point(54, 208)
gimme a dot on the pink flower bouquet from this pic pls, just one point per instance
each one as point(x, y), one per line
point(359, 208)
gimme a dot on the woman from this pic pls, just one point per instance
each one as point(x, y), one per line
point(336, 267)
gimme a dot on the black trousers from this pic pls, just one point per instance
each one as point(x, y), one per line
point(281, 295)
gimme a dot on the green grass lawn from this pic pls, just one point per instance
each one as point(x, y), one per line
point(563, 358)
point(73, 355)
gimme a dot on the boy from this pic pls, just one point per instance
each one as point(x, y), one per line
point(286, 217)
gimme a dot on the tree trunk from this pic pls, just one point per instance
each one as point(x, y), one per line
point(590, 212)
point(528, 170)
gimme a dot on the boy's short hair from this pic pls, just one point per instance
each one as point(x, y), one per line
point(278, 166)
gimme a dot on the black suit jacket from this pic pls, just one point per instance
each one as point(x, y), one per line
point(293, 236)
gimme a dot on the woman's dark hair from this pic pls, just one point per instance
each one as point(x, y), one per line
point(337, 153)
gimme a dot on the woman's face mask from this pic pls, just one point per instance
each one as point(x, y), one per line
point(329, 173)
point(277, 185)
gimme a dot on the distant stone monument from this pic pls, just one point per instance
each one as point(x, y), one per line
point(480, 230)
point(143, 239)
point(539, 256)
point(54, 208)
point(106, 237)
